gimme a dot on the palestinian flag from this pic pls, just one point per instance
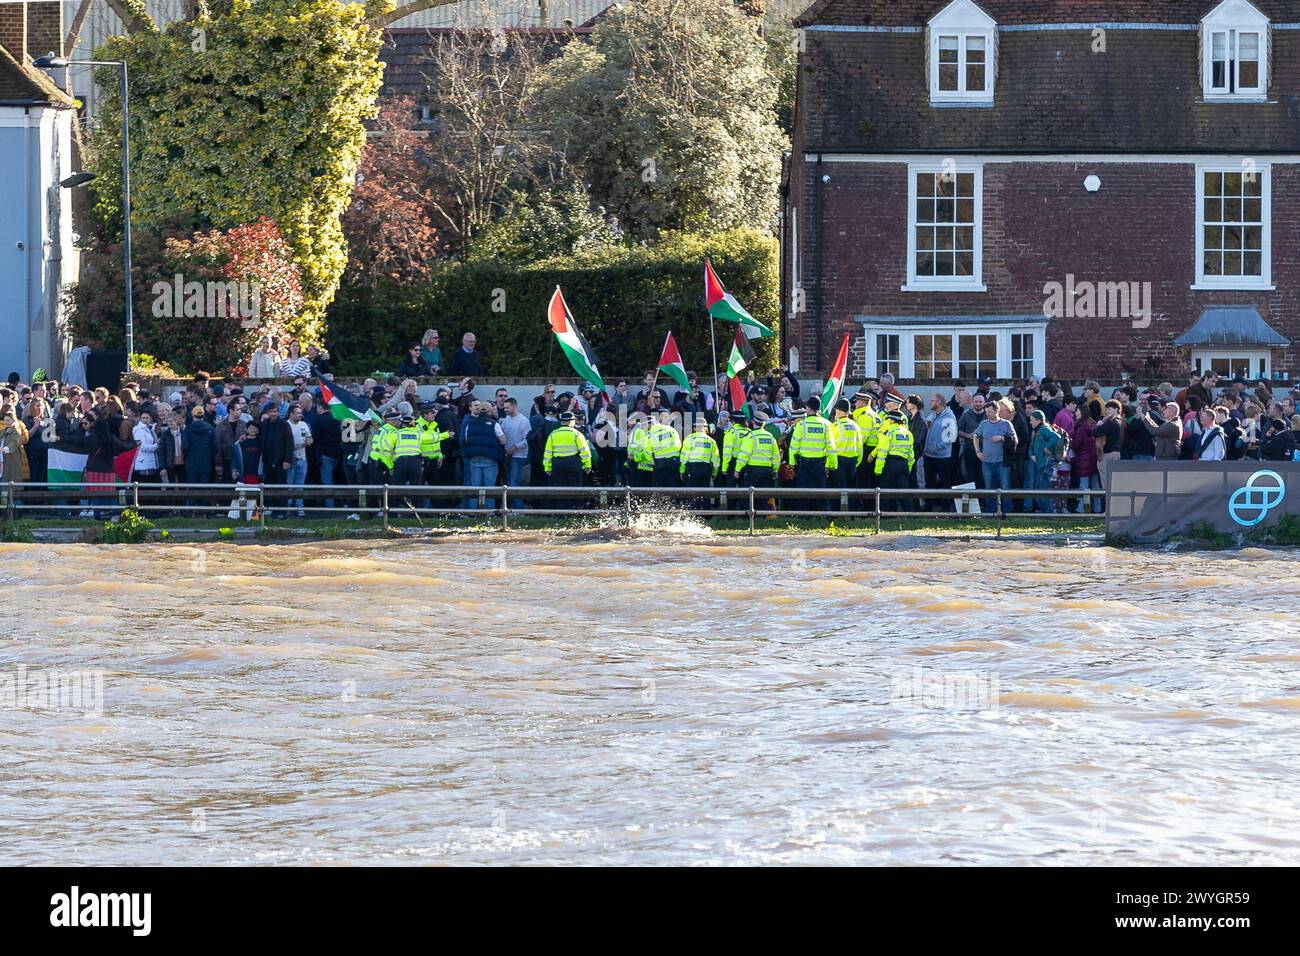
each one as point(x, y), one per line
point(742, 356)
point(344, 406)
point(723, 305)
point(65, 467)
point(835, 384)
point(670, 363)
point(580, 354)
point(69, 467)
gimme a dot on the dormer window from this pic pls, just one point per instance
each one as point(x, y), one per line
point(1235, 52)
point(961, 55)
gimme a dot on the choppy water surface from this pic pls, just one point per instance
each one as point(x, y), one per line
point(661, 700)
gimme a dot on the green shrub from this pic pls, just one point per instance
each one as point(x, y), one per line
point(625, 299)
point(127, 528)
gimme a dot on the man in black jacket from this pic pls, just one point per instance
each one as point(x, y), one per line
point(326, 446)
point(466, 361)
point(277, 446)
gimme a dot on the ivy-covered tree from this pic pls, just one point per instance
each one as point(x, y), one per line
point(246, 110)
point(670, 114)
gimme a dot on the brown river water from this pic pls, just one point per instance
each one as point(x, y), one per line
point(672, 698)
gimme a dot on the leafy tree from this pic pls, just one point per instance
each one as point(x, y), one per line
point(390, 226)
point(669, 113)
point(256, 256)
point(247, 110)
point(557, 221)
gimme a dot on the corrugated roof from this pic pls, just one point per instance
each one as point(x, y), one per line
point(1232, 327)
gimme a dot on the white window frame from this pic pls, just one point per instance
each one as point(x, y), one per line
point(907, 345)
point(1231, 19)
point(962, 19)
point(1201, 358)
point(971, 283)
point(1264, 281)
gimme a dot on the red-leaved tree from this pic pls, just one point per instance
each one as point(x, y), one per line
point(389, 226)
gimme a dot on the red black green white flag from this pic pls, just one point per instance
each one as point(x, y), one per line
point(723, 305)
point(835, 384)
point(670, 363)
point(580, 354)
point(742, 356)
point(345, 406)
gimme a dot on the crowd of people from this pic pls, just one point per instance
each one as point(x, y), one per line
point(1033, 435)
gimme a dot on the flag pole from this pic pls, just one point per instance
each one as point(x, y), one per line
point(713, 341)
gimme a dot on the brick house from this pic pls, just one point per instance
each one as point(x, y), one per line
point(1100, 188)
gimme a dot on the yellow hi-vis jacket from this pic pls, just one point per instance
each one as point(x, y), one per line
point(565, 442)
point(811, 438)
point(732, 440)
point(384, 444)
point(896, 441)
point(664, 441)
point(406, 442)
point(700, 448)
point(638, 449)
point(759, 450)
point(430, 438)
point(869, 424)
point(848, 441)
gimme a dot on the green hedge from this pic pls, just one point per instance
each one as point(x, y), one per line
point(624, 298)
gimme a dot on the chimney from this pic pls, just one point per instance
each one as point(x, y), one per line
point(13, 29)
point(44, 27)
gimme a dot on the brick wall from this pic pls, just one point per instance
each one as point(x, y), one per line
point(44, 27)
point(1039, 225)
point(13, 29)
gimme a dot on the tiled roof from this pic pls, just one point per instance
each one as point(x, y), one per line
point(23, 84)
point(868, 92)
point(919, 12)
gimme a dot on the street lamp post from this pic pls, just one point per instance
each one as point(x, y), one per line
point(51, 62)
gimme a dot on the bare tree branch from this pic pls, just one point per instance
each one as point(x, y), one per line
point(406, 10)
point(134, 16)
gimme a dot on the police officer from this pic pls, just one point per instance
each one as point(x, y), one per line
point(567, 456)
point(812, 451)
point(666, 446)
point(408, 467)
point(430, 442)
point(733, 439)
point(758, 462)
point(382, 444)
point(895, 453)
point(868, 421)
point(848, 446)
point(700, 459)
point(640, 454)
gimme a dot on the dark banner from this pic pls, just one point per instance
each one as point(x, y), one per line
point(1152, 500)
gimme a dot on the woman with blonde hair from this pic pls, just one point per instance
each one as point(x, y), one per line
point(265, 362)
point(431, 351)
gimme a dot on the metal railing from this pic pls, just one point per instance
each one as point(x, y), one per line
point(255, 503)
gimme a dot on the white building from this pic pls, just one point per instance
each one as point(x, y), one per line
point(37, 258)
